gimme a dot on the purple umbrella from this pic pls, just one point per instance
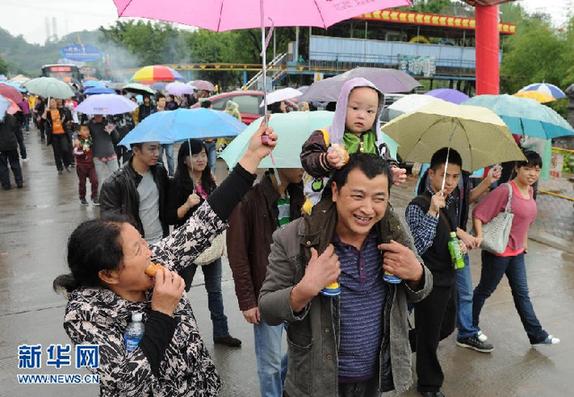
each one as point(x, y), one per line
point(449, 95)
point(178, 88)
point(106, 104)
point(386, 80)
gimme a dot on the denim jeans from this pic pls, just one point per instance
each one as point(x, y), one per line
point(464, 323)
point(493, 268)
point(169, 155)
point(211, 156)
point(212, 276)
point(271, 361)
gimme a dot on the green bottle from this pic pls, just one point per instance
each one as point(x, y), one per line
point(455, 252)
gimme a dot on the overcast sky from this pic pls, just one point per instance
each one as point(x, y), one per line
point(28, 17)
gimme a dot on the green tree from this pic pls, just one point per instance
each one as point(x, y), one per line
point(3, 66)
point(534, 54)
point(151, 43)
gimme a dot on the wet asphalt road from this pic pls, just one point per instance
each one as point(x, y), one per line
point(36, 221)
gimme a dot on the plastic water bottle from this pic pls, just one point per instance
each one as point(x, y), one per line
point(134, 332)
point(455, 252)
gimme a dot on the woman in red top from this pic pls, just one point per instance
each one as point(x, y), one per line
point(511, 261)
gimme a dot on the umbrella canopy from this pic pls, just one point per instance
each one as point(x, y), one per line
point(93, 83)
point(20, 79)
point(449, 95)
point(545, 88)
point(138, 88)
point(156, 73)
point(99, 90)
point(18, 86)
point(10, 92)
point(410, 103)
point(222, 15)
point(538, 96)
point(478, 134)
point(106, 104)
point(525, 116)
point(182, 124)
point(7, 106)
point(292, 129)
point(202, 85)
point(386, 80)
point(178, 88)
point(159, 86)
point(49, 87)
point(281, 95)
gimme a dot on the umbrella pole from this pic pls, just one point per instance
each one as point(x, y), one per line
point(264, 79)
point(446, 162)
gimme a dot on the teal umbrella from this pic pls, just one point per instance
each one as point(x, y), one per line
point(292, 130)
point(49, 87)
point(525, 116)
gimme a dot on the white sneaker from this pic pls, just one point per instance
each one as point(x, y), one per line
point(481, 337)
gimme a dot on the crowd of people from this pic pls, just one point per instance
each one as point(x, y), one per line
point(326, 263)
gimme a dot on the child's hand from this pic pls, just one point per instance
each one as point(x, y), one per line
point(399, 175)
point(337, 156)
point(334, 159)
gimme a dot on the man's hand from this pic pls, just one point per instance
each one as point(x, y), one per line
point(437, 202)
point(399, 175)
point(252, 315)
point(321, 271)
point(401, 261)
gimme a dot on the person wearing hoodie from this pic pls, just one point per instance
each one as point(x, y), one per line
point(356, 128)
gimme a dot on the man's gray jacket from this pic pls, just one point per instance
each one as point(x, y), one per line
point(313, 334)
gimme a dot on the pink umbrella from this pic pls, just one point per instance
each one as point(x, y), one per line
point(221, 15)
point(202, 85)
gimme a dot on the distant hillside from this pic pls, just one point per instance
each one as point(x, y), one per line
point(26, 58)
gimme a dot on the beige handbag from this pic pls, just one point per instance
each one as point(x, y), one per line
point(216, 250)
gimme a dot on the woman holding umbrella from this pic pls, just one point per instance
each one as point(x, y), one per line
point(56, 124)
point(193, 183)
point(108, 283)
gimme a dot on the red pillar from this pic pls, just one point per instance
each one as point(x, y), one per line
point(487, 50)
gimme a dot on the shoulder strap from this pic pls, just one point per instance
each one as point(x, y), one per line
point(326, 138)
point(509, 202)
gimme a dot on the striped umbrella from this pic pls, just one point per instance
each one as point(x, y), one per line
point(545, 88)
point(156, 73)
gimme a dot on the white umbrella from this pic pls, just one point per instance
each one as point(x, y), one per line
point(281, 95)
point(411, 103)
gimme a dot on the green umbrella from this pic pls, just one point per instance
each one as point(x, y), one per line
point(292, 130)
point(49, 87)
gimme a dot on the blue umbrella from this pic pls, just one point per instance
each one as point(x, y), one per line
point(15, 85)
point(93, 83)
point(525, 116)
point(99, 90)
point(182, 124)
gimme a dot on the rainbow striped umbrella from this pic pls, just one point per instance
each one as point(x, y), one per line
point(156, 73)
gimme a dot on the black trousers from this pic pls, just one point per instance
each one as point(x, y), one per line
point(62, 150)
point(431, 317)
point(10, 157)
point(21, 145)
